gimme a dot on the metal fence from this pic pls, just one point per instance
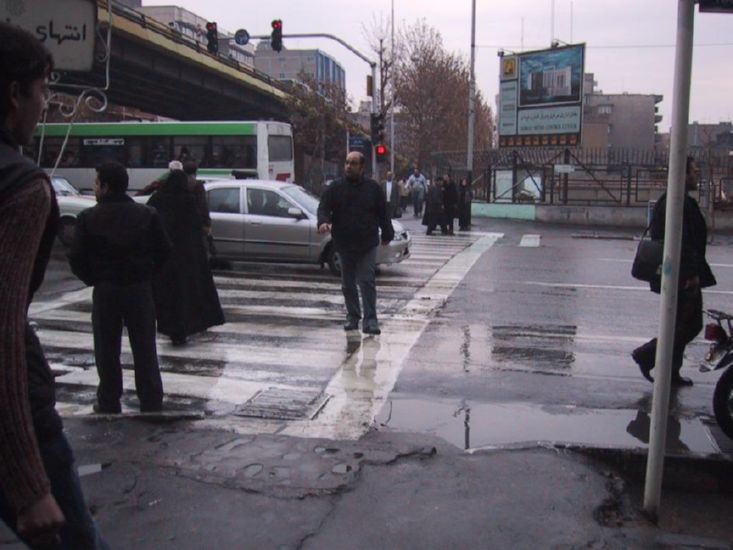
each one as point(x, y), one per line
point(614, 177)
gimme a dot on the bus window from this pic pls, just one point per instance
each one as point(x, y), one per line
point(158, 153)
point(95, 151)
point(135, 152)
point(233, 152)
point(280, 148)
point(190, 147)
point(51, 148)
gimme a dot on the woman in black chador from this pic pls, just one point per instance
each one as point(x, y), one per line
point(694, 275)
point(186, 300)
point(465, 195)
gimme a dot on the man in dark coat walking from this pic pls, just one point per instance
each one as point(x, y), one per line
point(353, 209)
point(435, 208)
point(695, 274)
point(118, 246)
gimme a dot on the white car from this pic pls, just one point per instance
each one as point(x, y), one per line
point(276, 221)
point(71, 202)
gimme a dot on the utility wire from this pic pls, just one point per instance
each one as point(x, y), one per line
point(609, 47)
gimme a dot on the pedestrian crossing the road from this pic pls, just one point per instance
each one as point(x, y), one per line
point(282, 356)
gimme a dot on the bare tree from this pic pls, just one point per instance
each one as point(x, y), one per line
point(320, 117)
point(432, 94)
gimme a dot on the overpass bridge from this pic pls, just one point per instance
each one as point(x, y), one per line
point(156, 69)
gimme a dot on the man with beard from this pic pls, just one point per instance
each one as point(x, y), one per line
point(354, 209)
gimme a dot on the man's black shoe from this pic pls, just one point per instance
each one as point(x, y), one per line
point(351, 325)
point(372, 330)
point(643, 367)
point(98, 409)
point(678, 380)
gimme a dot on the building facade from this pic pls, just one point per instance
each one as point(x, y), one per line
point(194, 27)
point(291, 65)
point(619, 121)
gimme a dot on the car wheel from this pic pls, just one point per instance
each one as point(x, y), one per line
point(67, 228)
point(334, 261)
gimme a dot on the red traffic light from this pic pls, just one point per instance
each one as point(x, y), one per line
point(211, 26)
point(277, 24)
point(380, 150)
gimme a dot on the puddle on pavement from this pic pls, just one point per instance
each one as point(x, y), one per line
point(475, 425)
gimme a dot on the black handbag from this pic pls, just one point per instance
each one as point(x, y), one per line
point(647, 264)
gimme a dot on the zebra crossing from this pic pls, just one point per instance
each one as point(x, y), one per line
point(282, 359)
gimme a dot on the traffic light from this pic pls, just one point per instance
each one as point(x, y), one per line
point(381, 151)
point(276, 38)
point(212, 37)
point(377, 128)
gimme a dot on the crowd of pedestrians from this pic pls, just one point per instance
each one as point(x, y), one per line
point(438, 203)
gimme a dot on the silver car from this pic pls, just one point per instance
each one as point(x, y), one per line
point(276, 221)
point(71, 202)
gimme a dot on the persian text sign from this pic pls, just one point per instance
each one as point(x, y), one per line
point(555, 120)
point(66, 27)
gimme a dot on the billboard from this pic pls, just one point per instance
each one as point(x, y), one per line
point(541, 98)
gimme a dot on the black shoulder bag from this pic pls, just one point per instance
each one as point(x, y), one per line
point(647, 264)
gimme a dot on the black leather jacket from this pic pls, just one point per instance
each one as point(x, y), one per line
point(118, 241)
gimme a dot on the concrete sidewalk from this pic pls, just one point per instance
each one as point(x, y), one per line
point(173, 485)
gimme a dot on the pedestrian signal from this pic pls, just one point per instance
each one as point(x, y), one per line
point(276, 38)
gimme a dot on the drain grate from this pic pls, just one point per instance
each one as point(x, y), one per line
point(284, 404)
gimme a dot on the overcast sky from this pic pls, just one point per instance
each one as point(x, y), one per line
point(629, 43)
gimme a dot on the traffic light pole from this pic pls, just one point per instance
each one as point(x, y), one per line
point(358, 54)
point(471, 97)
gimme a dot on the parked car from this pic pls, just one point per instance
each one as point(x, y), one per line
point(71, 202)
point(277, 221)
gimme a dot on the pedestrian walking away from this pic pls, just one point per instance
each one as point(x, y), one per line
point(404, 194)
point(418, 186)
point(450, 202)
point(695, 274)
point(465, 196)
point(186, 301)
point(354, 210)
point(40, 495)
point(435, 209)
point(118, 246)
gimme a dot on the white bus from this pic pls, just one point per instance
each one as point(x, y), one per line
point(258, 149)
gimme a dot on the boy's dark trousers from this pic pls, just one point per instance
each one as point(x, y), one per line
point(131, 305)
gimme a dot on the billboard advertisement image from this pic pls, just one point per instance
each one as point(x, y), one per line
point(541, 98)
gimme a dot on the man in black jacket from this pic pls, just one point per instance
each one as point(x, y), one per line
point(117, 246)
point(695, 274)
point(354, 210)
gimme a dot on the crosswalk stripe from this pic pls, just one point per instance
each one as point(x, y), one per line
point(299, 308)
point(530, 241)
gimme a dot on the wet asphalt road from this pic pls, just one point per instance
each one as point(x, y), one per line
point(513, 332)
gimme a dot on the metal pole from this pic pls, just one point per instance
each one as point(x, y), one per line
point(374, 110)
point(671, 264)
point(552, 20)
point(471, 95)
point(391, 107)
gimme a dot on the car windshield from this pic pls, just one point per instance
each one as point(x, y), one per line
point(304, 198)
point(63, 188)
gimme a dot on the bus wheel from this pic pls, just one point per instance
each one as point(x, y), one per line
point(67, 228)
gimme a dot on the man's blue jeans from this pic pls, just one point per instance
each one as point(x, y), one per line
point(80, 531)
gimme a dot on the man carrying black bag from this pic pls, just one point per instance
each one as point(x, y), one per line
point(695, 274)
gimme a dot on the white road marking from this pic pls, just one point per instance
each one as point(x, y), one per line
point(365, 379)
point(530, 241)
point(611, 287)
